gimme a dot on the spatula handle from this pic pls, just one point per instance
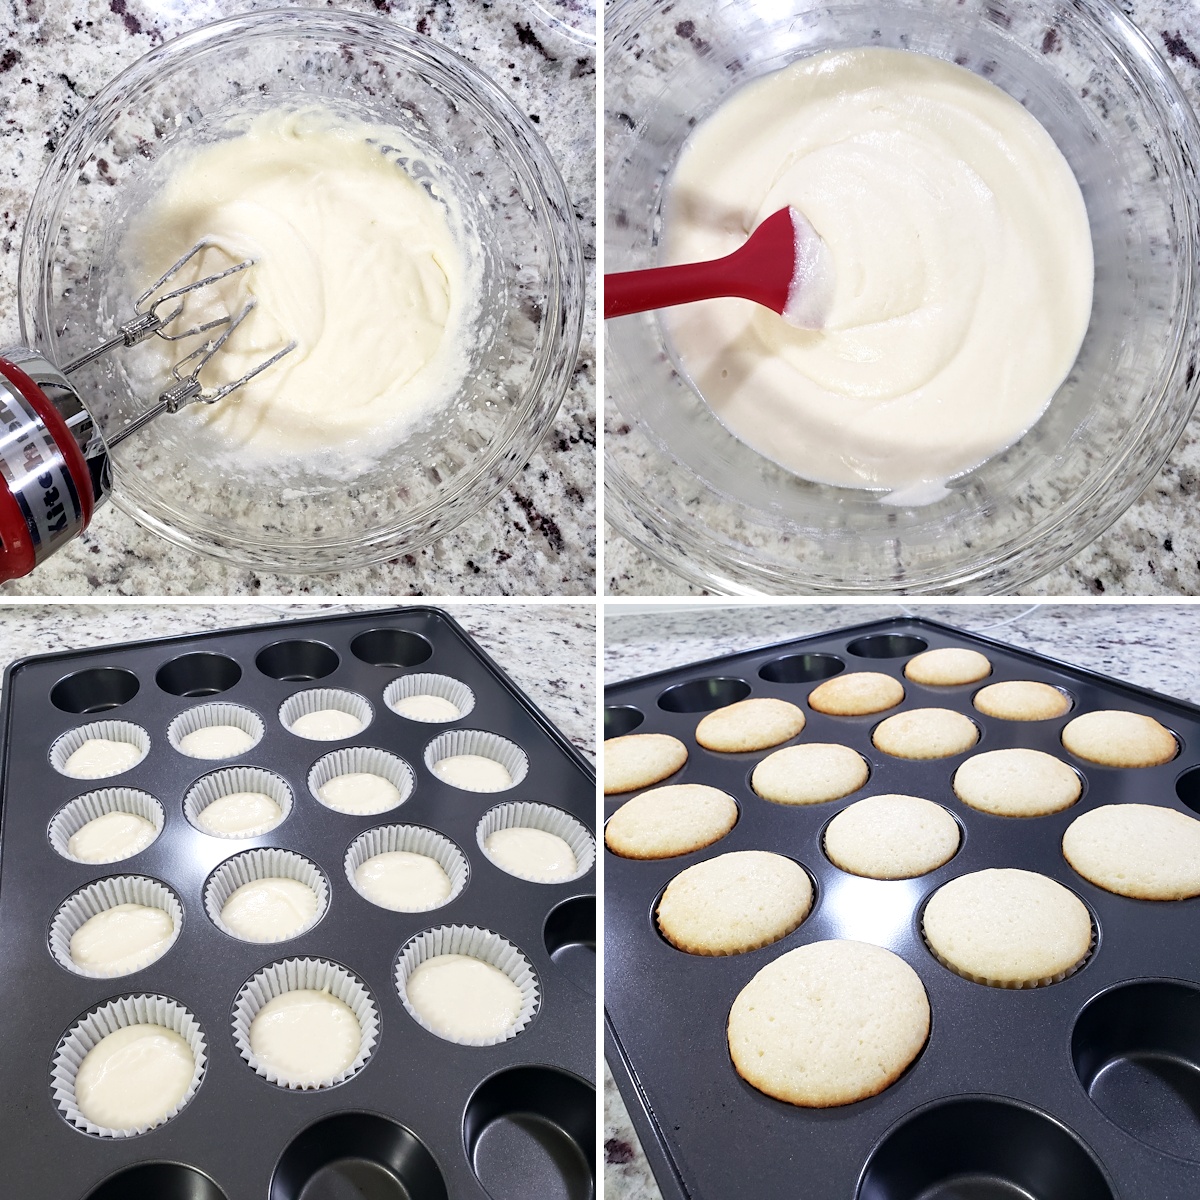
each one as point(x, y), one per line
point(637, 291)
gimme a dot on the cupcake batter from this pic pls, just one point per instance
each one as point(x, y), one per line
point(355, 260)
point(403, 881)
point(962, 254)
point(427, 708)
point(111, 837)
point(326, 725)
point(532, 854)
point(216, 741)
point(98, 758)
point(134, 1077)
point(122, 939)
point(464, 998)
point(269, 910)
point(473, 773)
point(306, 1037)
point(240, 814)
point(359, 792)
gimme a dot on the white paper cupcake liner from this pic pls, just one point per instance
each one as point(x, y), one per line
point(475, 741)
point(315, 699)
point(271, 863)
point(442, 686)
point(1008, 984)
point(297, 974)
point(386, 839)
point(214, 786)
point(526, 815)
point(100, 896)
point(118, 1014)
point(114, 731)
point(205, 716)
point(478, 943)
point(353, 760)
point(72, 817)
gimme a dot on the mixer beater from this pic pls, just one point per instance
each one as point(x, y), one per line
point(54, 461)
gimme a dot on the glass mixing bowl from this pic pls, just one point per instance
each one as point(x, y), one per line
point(685, 490)
point(469, 138)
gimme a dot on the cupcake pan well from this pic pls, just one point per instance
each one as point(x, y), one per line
point(1078, 1090)
point(240, 1136)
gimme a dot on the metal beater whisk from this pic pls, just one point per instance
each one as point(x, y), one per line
point(149, 321)
point(54, 460)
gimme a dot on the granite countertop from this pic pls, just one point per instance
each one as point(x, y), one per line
point(1154, 548)
point(538, 536)
point(549, 650)
point(1144, 644)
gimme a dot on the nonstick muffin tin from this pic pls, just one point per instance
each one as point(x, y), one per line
point(425, 1118)
point(1087, 1089)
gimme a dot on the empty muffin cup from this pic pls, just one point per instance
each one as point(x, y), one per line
point(123, 732)
point(352, 713)
point(450, 691)
point(361, 760)
point(91, 806)
point(221, 717)
point(471, 942)
point(101, 896)
point(414, 839)
point(301, 974)
point(117, 1014)
point(231, 781)
point(467, 744)
point(253, 865)
point(526, 815)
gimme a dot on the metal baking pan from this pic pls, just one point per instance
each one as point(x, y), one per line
point(1088, 1089)
point(425, 1119)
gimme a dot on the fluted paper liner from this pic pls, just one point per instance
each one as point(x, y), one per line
point(119, 1014)
point(475, 741)
point(225, 782)
point(315, 699)
point(1008, 984)
point(443, 686)
point(478, 943)
point(270, 863)
point(100, 896)
point(298, 974)
point(113, 731)
point(72, 817)
point(385, 839)
point(367, 760)
point(205, 716)
point(526, 815)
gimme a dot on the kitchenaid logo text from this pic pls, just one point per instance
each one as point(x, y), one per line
point(37, 476)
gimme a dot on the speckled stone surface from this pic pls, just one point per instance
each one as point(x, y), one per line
point(1154, 548)
point(1151, 645)
point(538, 537)
point(549, 650)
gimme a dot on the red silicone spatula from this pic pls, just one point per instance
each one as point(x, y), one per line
point(783, 266)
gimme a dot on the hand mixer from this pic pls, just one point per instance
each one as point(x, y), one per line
point(54, 463)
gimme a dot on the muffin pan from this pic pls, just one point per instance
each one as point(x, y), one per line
point(424, 1118)
point(1086, 1089)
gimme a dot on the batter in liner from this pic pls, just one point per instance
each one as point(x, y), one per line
point(111, 837)
point(216, 741)
point(962, 258)
point(98, 758)
point(240, 814)
point(362, 265)
point(306, 1036)
point(122, 939)
point(359, 792)
point(134, 1077)
point(403, 881)
point(473, 773)
point(269, 910)
point(532, 854)
point(463, 997)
